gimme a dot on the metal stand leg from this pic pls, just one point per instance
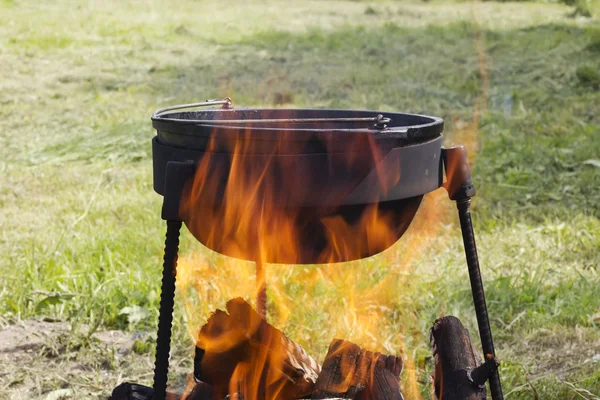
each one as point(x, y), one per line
point(483, 322)
point(460, 188)
point(165, 316)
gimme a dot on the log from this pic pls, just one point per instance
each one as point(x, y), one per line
point(458, 373)
point(350, 372)
point(239, 352)
point(197, 391)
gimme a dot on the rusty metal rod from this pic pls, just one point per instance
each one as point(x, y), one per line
point(485, 332)
point(165, 316)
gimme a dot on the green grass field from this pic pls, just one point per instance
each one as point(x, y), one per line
point(81, 234)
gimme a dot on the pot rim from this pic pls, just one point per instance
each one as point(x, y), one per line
point(197, 123)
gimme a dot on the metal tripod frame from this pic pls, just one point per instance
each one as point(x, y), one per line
point(460, 189)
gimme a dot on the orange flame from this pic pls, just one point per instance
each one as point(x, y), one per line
point(241, 203)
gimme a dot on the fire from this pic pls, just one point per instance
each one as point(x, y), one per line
point(241, 203)
point(241, 345)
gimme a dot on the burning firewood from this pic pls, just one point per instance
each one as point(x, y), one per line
point(350, 372)
point(239, 352)
point(458, 374)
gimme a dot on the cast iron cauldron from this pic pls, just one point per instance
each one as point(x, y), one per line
point(316, 164)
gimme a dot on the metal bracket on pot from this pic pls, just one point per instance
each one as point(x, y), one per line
point(177, 174)
point(459, 183)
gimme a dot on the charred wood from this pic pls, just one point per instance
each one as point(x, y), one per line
point(458, 374)
point(350, 372)
point(198, 391)
point(239, 352)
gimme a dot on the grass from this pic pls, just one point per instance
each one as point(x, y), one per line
point(80, 228)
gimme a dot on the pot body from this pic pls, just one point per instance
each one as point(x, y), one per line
point(324, 190)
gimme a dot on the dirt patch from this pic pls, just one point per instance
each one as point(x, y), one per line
point(54, 360)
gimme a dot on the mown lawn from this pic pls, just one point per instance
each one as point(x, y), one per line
point(81, 234)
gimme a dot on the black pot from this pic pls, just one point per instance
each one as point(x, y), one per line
point(312, 166)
